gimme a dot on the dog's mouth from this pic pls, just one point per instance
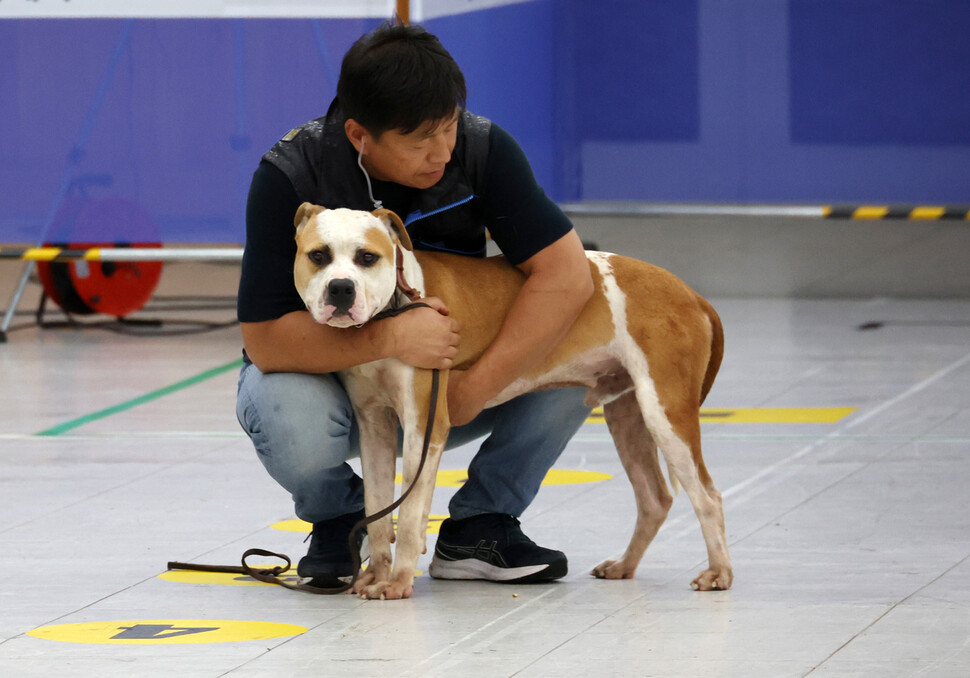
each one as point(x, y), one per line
point(323, 314)
point(342, 323)
point(339, 317)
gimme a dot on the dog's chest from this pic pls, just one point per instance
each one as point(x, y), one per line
point(382, 383)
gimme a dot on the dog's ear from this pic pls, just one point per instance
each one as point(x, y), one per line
point(306, 211)
point(394, 223)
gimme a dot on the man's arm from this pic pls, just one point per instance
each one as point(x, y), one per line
point(557, 286)
point(297, 343)
point(536, 236)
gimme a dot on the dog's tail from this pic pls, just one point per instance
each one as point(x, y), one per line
point(717, 348)
point(713, 365)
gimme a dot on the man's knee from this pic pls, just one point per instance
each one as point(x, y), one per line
point(554, 407)
point(297, 416)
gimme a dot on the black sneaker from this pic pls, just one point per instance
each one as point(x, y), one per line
point(328, 563)
point(492, 546)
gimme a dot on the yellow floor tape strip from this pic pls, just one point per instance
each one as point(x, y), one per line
point(165, 631)
point(762, 415)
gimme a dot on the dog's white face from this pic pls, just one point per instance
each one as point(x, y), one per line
point(345, 263)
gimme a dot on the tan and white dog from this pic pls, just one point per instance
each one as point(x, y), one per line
point(646, 346)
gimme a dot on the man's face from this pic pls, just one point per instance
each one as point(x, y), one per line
point(416, 159)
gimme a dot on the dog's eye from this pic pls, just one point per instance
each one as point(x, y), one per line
point(320, 257)
point(365, 258)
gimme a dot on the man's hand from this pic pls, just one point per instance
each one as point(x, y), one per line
point(424, 337)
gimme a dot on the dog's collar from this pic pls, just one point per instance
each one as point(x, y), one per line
point(402, 284)
point(413, 296)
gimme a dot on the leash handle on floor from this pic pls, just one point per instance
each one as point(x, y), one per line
point(272, 575)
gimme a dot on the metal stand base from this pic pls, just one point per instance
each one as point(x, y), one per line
point(15, 300)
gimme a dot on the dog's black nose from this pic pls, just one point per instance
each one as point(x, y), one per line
point(341, 293)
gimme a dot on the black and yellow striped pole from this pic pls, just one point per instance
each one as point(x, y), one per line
point(164, 254)
point(858, 212)
point(909, 212)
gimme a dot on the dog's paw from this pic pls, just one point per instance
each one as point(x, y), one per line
point(364, 579)
point(387, 590)
point(613, 569)
point(713, 580)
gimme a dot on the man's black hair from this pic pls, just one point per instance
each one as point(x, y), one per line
point(398, 78)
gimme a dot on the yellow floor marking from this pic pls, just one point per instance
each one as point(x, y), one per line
point(297, 525)
point(231, 579)
point(762, 415)
point(458, 477)
point(193, 577)
point(165, 631)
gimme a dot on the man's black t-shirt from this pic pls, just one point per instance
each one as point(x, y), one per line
point(520, 217)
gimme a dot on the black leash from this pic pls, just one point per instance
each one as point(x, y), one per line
point(271, 575)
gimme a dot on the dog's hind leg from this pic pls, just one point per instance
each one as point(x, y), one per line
point(689, 467)
point(638, 453)
point(677, 431)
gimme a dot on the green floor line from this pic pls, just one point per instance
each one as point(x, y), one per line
point(140, 400)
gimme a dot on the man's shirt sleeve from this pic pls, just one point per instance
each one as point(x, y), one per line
point(520, 217)
point(266, 288)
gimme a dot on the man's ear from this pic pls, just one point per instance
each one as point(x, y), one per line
point(355, 133)
point(306, 211)
point(396, 226)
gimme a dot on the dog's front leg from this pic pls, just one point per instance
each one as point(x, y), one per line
point(378, 453)
point(412, 522)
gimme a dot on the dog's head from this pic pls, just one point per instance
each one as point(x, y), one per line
point(345, 267)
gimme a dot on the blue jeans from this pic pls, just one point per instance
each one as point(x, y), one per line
point(304, 431)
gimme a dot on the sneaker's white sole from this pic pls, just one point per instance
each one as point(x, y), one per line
point(471, 568)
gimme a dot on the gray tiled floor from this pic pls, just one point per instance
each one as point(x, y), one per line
point(850, 539)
